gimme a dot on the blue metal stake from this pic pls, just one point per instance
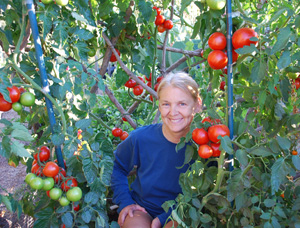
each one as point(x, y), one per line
point(229, 75)
point(42, 70)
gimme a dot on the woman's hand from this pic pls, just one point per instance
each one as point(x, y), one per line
point(155, 223)
point(129, 211)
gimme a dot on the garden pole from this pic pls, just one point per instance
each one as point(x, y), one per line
point(43, 73)
point(229, 75)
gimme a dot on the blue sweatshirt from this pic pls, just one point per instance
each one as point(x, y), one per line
point(157, 177)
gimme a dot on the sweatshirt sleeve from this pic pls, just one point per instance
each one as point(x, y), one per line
point(163, 217)
point(125, 159)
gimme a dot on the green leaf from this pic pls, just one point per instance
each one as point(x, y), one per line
point(284, 143)
point(196, 28)
point(235, 184)
point(83, 34)
point(266, 216)
point(91, 198)
point(86, 215)
point(282, 39)
point(81, 50)
point(78, 17)
point(246, 50)
point(193, 214)
point(285, 88)
point(57, 139)
point(121, 78)
point(277, 15)
point(261, 151)
point(280, 170)
point(18, 149)
point(67, 219)
point(43, 218)
point(241, 200)
point(60, 34)
point(296, 206)
point(189, 152)
point(6, 202)
point(269, 202)
point(279, 211)
point(296, 161)
point(4, 40)
point(83, 124)
point(89, 169)
point(226, 144)
point(145, 9)
point(21, 135)
point(242, 157)
point(196, 202)
point(279, 111)
point(259, 71)
point(205, 218)
point(285, 60)
point(106, 170)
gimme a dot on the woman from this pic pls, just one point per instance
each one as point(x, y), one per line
point(152, 149)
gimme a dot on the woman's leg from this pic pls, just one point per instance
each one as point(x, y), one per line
point(139, 220)
point(171, 224)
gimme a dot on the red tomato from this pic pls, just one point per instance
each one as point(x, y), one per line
point(159, 19)
point(241, 37)
point(205, 151)
point(217, 41)
point(22, 90)
point(217, 59)
point(224, 70)
point(156, 86)
point(217, 130)
point(138, 90)
point(124, 135)
point(51, 169)
point(151, 98)
point(124, 119)
point(161, 28)
point(234, 56)
point(143, 80)
point(158, 79)
point(44, 154)
point(4, 105)
point(36, 169)
point(150, 77)
point(14, 94)
point(68, 183)
point(297, 83)
point(117, 132)
point(216, 151)
point(76, 207)
point(130, 83)
point(58, 178)
point(207, 119)
point(149, 84)
point(200, 136)
point(168, 24)
point(113, 58)
point(222, 85)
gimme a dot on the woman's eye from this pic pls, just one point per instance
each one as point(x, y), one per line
point(182, 104)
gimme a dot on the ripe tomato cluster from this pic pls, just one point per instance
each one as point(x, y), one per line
point(160, 22)
point(217, 59)
point(118, 132)
point(208, 139)
point(48, 176)
point(19, 97)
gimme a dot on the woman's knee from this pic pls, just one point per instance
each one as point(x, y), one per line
point(139, 220)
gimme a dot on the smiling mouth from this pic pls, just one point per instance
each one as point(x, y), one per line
point(175, 120)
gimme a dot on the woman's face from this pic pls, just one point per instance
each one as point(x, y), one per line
point(177, 110)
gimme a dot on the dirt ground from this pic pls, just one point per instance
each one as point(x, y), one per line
point(11, 180)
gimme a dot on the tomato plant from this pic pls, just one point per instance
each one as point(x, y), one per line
point(4, 105)
point(242, 36)
point(51, 169)
point(117, 132)
point(217, 41)
point(205, 151)
point(113, 58)
point(217, 130)
point(14, 94)
point(74, 194)
point(200, 136)
point(217, 59)
point(27, 99)
point(68, 183)
point(168, 24)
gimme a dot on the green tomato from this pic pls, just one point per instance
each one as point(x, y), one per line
point(216, 4)
point(27, 99)
point(17, 106)
point(62, 2)
point(36, 183)
point(47, 1)
point(63, 201)
point(48, 183)
point(29, 177)
point(55, 193)
point(74, 194)
point(292, 75)
point(92, 52)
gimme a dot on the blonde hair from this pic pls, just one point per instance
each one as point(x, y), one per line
point(180, 80)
